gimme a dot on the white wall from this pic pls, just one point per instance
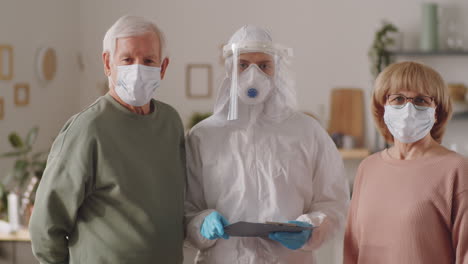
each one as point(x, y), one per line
point(27, 25)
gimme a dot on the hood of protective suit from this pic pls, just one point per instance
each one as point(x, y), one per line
point(281, 101)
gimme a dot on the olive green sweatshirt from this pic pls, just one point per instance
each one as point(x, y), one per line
point(113, 189)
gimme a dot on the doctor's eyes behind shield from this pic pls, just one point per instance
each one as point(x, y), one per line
point(263, 61)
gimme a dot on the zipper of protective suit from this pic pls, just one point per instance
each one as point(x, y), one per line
point(255, 167)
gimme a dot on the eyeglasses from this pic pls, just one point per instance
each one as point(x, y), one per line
point(399, 101)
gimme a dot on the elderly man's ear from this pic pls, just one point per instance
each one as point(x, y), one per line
point(164, 65)
point(106, 62)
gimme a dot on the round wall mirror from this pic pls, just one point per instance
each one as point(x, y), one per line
point(46, 64)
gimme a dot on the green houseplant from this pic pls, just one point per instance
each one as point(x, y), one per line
point(379, 54)
point(380, 57)
point(27, 170)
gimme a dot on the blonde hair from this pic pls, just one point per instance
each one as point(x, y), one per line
point(414, 77)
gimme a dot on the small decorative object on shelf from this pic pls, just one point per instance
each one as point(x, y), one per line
point(430, 32)
point(13, 212)
point(454, 39)
point(348, 142)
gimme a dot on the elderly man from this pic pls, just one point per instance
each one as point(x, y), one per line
point(113, 188)
point(259, 159)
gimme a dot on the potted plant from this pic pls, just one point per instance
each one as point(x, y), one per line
point(379, 54)
point(27, 170)
point(380, 57)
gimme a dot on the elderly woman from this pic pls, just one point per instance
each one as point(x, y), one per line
point(410, 201)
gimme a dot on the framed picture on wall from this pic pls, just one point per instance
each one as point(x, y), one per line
point(2, 108)
point(21, 94)
point(6, 62)
point(198, 81)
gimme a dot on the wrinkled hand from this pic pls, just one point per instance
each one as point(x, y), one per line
point(213, 226)
point(293, 240)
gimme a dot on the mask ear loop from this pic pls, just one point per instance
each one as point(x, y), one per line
point(232, 115)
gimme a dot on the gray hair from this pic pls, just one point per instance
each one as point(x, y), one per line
point(129, 26)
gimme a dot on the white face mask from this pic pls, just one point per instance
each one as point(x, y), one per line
point(254, 85)
point(137, 83)
point(409, 124)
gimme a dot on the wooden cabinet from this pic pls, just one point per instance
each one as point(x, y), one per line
point(16, 249)
point(16, 252)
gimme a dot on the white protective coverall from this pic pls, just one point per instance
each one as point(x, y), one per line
point(273, 163)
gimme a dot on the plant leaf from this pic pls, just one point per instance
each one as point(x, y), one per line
point(13, 154)
point(378, 53)
point(23, 179)
point(21, 173)
point(32, 136)
point(15, 140)
point(9, 177)
point(2, 190)
point(21, 165)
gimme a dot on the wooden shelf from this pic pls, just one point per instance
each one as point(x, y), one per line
point(430, 53)
point(349, 154)
point(21, 235)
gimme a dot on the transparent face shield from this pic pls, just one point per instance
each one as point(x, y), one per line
point(253, 72)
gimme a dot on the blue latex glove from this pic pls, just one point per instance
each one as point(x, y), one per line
point(213, 226)
point(293, 240)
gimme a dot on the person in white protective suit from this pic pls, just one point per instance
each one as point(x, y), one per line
point(259, 159)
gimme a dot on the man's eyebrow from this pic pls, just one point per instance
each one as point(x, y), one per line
point(126, 54)
point(154, 56)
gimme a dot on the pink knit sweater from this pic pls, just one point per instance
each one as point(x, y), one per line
point(409, 211)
